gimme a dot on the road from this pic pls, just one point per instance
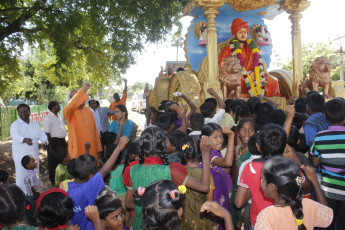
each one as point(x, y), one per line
point(138, 119)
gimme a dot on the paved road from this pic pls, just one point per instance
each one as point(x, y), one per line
point(138, 119)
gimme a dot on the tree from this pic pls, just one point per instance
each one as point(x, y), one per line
point(136, 87)
point(312, 51)
point(94, 38)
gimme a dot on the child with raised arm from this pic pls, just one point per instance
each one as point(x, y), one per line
point(208, 109)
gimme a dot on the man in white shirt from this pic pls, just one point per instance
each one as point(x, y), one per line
point(25, 135)
point(55, 129)
point(93, 107)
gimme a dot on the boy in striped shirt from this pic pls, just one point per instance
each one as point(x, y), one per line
point(328, 150)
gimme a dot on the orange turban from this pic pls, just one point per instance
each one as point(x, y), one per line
point(238, 24)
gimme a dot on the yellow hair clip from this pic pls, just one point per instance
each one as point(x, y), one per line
point(184, 147)
point(182, 189)
point(299, 222)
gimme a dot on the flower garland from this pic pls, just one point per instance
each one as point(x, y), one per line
point(260, 82)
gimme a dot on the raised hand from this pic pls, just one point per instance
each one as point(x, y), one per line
point(86, 86)
point(211, 91)
point(227, 131)
point(205, 145)
point(123, 142)
point(290, 110)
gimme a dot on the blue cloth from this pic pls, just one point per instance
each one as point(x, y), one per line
point(127, 128)
point(104, 112)
point(314, 124)
point(84, 195)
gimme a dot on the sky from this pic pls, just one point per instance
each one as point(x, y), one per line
point(323, 21)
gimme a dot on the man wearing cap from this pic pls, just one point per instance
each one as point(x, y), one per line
point(247, 51)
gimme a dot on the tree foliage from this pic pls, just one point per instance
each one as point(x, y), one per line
point(93, 40)
point(312, 51)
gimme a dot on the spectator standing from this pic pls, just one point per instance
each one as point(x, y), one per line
point(93, 107)
point(25, 135)
point(104, 113)
point(55, 130)
point(118, 101)
point(81, 124)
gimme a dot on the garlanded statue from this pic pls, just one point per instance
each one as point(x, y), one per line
point(254, 80)
point(230, 77)
point(319, 76)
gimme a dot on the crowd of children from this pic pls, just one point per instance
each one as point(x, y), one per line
point(235, 165)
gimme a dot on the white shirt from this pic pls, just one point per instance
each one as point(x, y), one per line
point(20, 130)
point(217, 118)
point(97, 120)
point(54, 126)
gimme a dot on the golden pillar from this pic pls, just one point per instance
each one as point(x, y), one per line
point(294, 8)
point(210, 8)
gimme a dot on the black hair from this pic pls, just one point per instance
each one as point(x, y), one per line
point(176, 138)
point(302, 145)
point(60, 153)
point(252, 144)
point(109, 149)
point(253, 104)
point(293, 136)
point(168, 104)
point(109, 138)
point(263, 116)
point(23, 105)
point(123, 109)
point(316, 102)
point(298, 120)
point(211, 100)
point(180, 69)
point(207, 109)
point(165, 120)
point(25, 160)
point(133, 147)
point(3, 176)
point(97, 103)
point(278, 117)
point(152, 142)
point(285, 174)
point(191, 150)
point(240, 108)
point(272, 141)
point(52, 104)
point(56, 209)
point(107, 204)
point(161, 106)
point(153, 109)
point(160, 208)
point(209, 128)
point(301, 105)
point(82, 166)
point(197, 120)
point(335, 111)
point(227, 103)
point(12, 204)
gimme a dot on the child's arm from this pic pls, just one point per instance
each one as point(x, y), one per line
point(182, 115)
point(119, 133)
point(91, 212)
point(34, 192)
point(310, 174)
point(226, 162)
point(218, 210)
point(217, 97)
point(290, 112)
point(275, 105)
point(242, 196)
point(111, 161)
point(204, 184)
point(190, 103)
point(87, 147)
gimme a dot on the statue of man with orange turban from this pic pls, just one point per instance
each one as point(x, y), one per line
point(254, 80)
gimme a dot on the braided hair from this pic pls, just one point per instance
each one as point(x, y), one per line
point(190, 149)
point(161, 203)
point(285, 174)
point(152, 142)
